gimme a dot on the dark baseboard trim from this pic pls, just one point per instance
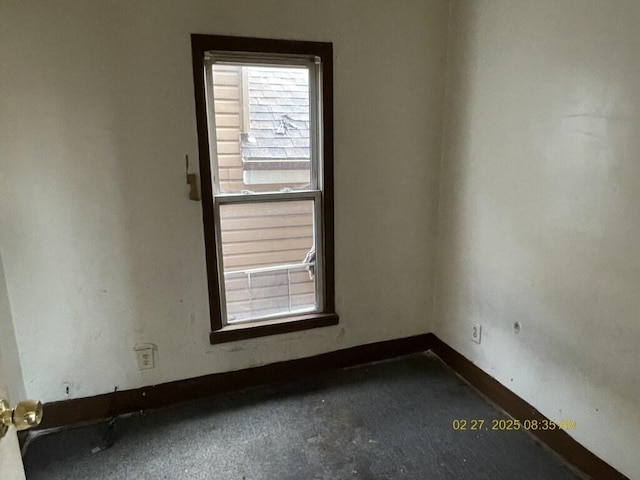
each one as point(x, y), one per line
point(558, 440)
point(92, 409)
point(100, 407)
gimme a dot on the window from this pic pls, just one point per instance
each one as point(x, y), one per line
point(265, 137)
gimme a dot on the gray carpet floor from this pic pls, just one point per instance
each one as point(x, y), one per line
point(389, 420)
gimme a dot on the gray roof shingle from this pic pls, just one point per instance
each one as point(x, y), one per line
point(278, 114)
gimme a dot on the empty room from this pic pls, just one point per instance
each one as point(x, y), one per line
point(319, 239)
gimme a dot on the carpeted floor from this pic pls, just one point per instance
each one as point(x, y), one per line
point(390, 420)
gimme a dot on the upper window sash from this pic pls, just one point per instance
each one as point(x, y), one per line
point(313, 64)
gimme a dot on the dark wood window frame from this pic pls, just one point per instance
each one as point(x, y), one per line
point(200, 44)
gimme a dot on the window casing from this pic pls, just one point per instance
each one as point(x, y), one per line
point(257, 292)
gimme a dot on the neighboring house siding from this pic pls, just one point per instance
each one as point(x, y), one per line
point(258, 235)
point(228, 107)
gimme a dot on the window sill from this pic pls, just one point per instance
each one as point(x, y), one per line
point(233, 333)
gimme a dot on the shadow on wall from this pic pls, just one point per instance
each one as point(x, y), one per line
point(453, 250)
point(9, 354)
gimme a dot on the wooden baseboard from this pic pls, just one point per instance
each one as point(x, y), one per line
point(100, 407)
point(558, 440)
point(93, 409)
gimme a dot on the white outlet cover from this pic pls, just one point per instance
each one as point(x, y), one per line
point(476, 333)
point(145, 358)
point(144, 354)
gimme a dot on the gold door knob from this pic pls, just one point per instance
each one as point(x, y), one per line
point(27, 414)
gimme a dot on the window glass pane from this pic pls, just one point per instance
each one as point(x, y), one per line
point(268, 258)
point(263, 122)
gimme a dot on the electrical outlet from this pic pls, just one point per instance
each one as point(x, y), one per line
point(476, 333)
point(67, 387)
point(145, 356)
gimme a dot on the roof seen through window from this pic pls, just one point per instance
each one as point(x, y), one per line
point(278, 113)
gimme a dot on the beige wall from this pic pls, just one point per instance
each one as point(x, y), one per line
point(103, 249)
point(540, 211)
